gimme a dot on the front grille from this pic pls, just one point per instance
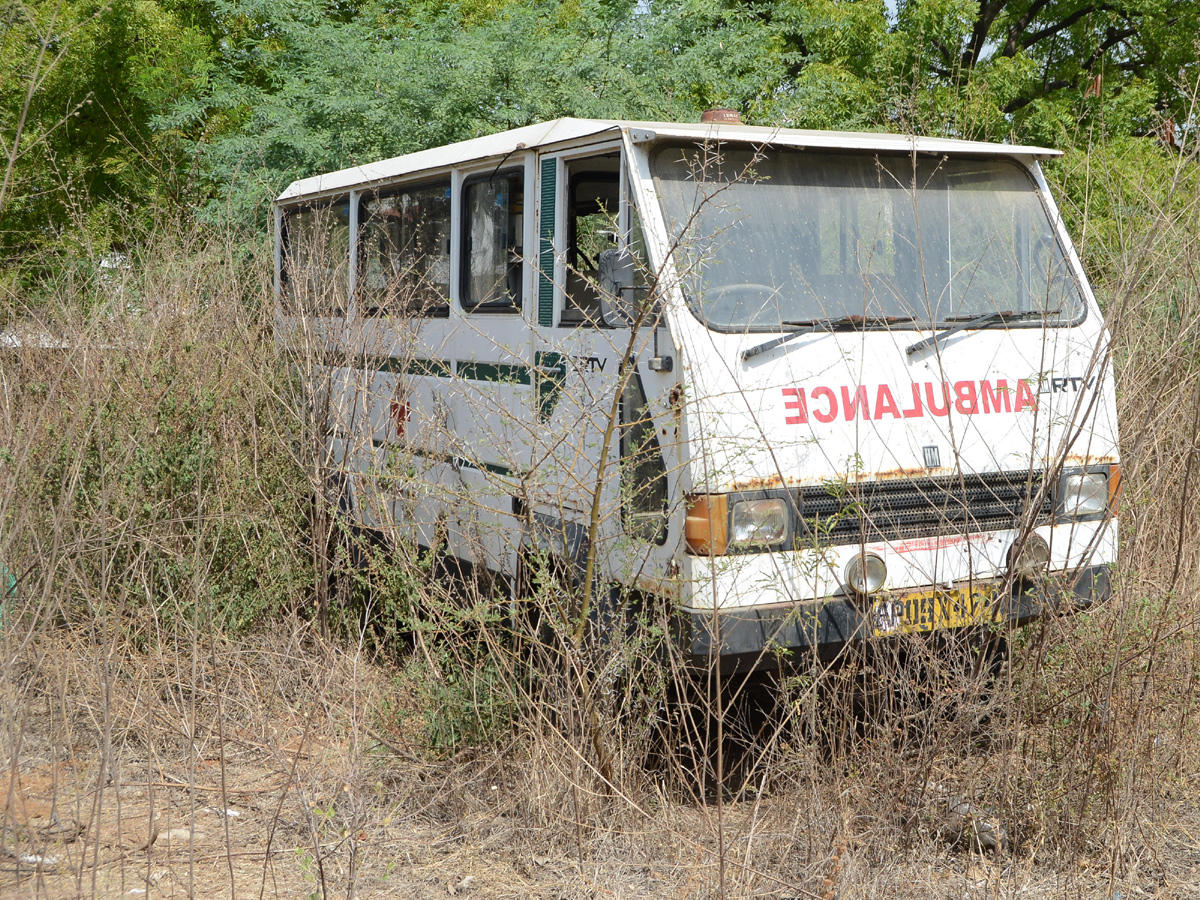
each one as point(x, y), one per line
point(868, 511)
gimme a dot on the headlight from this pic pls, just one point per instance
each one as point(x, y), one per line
point(865, 573)
point(1084, 494)
point(758, 523)
point(1030, 558)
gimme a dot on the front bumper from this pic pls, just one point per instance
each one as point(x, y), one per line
point(766, 637)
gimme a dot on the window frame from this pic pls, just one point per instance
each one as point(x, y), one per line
point(517, 307)
point(288, 305)
point(1053, 218)
point(633, 521)
point(572, 315)
point(441, 311)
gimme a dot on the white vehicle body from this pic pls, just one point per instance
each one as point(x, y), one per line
point(712, 448)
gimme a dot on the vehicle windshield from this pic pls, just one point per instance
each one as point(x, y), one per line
point(771, 236)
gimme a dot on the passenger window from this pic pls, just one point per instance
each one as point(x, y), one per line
point(405, 259)
point(641, 262)
point(593, 229)
point(592, 207)
point(316, 259)
point(643, 473)
point(493, 254)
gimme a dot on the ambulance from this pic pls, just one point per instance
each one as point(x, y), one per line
point(795, 390)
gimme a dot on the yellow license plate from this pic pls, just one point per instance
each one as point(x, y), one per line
point(932, 609)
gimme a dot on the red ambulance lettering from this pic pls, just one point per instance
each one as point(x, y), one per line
point(885, 402)
point(966, 401)
point(851, 407)
point(994, 400)
point(1024, 397)
point(799, 404)
point(968, 398)
point(916, 412)
point(831, 414)
point(944, 390)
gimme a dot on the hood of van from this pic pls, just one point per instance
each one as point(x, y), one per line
point(854, 406)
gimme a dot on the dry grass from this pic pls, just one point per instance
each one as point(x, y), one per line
point(322, 761)
point(163, 664)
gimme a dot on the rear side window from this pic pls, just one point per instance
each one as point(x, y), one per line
point(493, 254)
point(316, 259)
point(406, 252)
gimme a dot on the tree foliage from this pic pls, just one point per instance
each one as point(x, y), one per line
point(79, 85)
point(149, 108)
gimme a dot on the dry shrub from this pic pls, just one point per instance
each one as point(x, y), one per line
point(157, 501)
point(150, 478)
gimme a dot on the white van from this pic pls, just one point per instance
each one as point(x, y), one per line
point(799, 388)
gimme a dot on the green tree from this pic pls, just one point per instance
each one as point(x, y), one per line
point(152, 107)
point(79, 85)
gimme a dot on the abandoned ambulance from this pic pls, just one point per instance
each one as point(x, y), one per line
point(798, 388)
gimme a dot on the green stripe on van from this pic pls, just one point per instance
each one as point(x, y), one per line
point(392, 365)
point(546, 248)
point(435, 368)
point(494, 468)
point(8, 595)
point(502, 372)
point(389, 365)
point(505, 373)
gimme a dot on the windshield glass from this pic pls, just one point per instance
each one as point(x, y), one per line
point(770, 236)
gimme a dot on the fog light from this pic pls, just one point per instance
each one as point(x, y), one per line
point(1029, 559)
point(865, 573)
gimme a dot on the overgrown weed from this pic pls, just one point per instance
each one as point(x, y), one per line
point(157, 502)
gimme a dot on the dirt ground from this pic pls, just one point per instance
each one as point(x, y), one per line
point(273, 781)
point(161, 834)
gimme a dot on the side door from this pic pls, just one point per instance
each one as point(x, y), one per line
point(489, 413)
point(594, 375)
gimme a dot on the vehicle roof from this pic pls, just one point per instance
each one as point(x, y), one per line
point(566, 130)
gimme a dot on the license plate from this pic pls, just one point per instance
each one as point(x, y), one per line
point(932, 609)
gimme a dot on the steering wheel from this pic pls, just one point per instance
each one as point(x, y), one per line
point(744, 301)
point(738, 290)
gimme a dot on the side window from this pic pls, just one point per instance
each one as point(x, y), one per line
point(592, 207)
point(641, 261)
point(643, 474)
point(405, 258)
point(493, 231)
point(594, 217)
point(316, 259)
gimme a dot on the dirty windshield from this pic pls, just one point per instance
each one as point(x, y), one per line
point(790, 236)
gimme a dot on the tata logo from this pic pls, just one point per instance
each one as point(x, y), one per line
point(1050, 384)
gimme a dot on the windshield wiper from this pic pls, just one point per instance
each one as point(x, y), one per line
point(977, 322)
point(808, 326)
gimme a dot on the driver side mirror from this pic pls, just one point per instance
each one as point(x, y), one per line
point(615, 273)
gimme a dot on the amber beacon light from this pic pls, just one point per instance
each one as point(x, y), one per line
point(707, 525)
point(721, 117)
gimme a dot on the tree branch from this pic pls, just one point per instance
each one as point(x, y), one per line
point(14, 152)
point(979, 31)
point(1025, 101)
point(1051, 30)
point(1113, 37)
point(1013, 44)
